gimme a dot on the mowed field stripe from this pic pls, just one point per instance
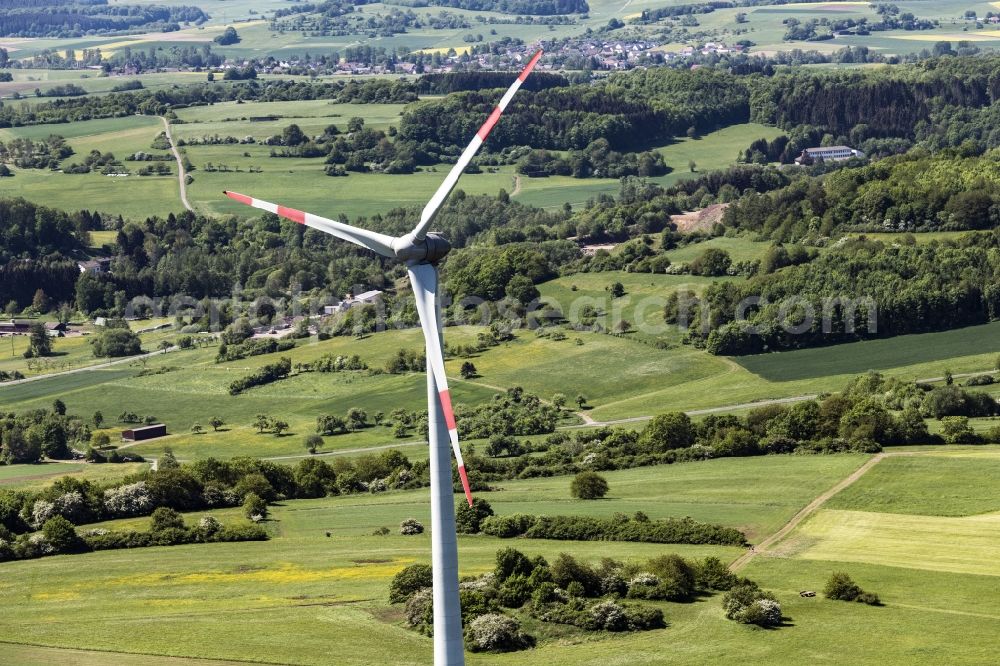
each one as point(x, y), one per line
point(968, 544)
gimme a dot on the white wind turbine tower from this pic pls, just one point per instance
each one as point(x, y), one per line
point(421, 251)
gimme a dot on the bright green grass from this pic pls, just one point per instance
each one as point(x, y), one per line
point(134, 195)
point(29, 655)
point(196, 389)
point(642, 305)
point(41, 475)
point(969, 544)
point(920, 238)
point(756, 495)
point(930, 485)
point(739, 249)
point(883, 354)
point(715, 150)
point(238, 601)
point(231, 116)
point(924, 613)
point(69, 353)
point(620, 378)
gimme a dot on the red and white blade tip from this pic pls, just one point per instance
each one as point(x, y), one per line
point(449, 419)
point(465, 484)
point(281, 211)
point(531, 65)
point(494, 118)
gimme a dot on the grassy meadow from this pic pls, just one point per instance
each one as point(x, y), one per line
point(337, 586)
point(181, 601)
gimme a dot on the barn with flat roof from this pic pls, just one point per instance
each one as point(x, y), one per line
point(146, 432)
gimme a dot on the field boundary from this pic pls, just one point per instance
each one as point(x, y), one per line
point(144, 655)
point(805, 512)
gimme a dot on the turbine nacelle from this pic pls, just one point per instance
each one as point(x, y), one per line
point(431, 250)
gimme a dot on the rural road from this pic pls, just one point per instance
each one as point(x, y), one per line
point(517, 186)
point(98, 366)
point(180, 165)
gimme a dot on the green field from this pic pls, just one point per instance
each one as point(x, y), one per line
point(884, 354)
point(621, 377)
point(301, 182)
point(949, 484)
point(181, 600)
point(41, 475)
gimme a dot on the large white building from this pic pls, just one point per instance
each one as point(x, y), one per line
point(828, 154)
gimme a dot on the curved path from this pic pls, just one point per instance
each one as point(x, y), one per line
point(181, 175)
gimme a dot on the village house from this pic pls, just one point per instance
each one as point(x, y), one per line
point(95, 266)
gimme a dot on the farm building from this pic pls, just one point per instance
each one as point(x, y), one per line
point(15, 326)
point(146, 432)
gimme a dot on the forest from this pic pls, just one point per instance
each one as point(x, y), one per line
point(632, 112)
point(900, 288)
point(75, 18)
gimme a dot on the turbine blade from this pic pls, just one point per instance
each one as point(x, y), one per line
point(376, 242)
point(434, 205)
point(424, 279)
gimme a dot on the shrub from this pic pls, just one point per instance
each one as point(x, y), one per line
point(209, 525)
point(641, 618)
point(617, 528)
point(511, 562)
point(506, 527)
point(165, 519)
point(609, 616)
point(256, 484)
point(712, 574)
point(514, 592)
point(677, 577)
point(469, 519)
point(588, 486)
point(60, 535)
point(748, 604)
point(267, 374)
point(869, 598)
point(476, 602)
point(128, 500)
point(420, 608)
point(566, 570)
point(254, 507)
point(411, 526)
point(494, 632)
point(408, 581)
point(841, 587)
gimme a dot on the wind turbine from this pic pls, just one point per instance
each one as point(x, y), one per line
point(421, 250)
